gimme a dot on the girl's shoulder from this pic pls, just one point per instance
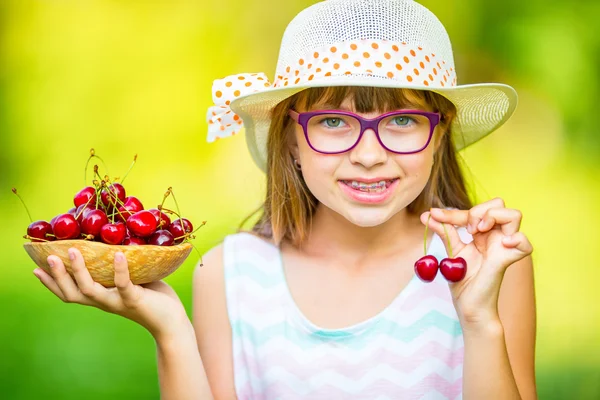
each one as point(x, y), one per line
point(246, 241)
point(246, 237)
point(239, 248)
point(248, 248)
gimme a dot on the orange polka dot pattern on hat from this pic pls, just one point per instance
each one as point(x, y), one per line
point(221, 120)
point(407, 65)
point(410, 64)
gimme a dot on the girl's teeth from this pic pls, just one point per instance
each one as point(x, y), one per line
point(371, 187)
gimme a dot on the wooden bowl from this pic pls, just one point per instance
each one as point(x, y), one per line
point(147, 263)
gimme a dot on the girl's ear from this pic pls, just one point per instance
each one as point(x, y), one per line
point(437, 138)
point(292, 143)
point(438, 135)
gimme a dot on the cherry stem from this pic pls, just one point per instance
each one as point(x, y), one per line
point(86, 204)
point(201, 225)
point(122, 216)
point(34, 238)
point(92, 152)
point(98, 193)
point(448, 239)
point(14, 190)
point(189, 235)
point(167, 193)
point(130, 168)
point(113, 197)
point(96, 173)
point(200, 254)
point(161, 208)
point(92, 155)
point(425, 239)
point(177, 206)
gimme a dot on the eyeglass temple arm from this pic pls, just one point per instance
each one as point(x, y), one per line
point(294, 115)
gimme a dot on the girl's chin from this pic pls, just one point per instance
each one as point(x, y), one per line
point(367, 218)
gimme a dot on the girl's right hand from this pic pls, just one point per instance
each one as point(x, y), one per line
point(155, 305)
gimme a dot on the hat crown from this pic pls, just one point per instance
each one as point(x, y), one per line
point(335, 21)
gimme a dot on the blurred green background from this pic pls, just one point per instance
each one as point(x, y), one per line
point(134, 77)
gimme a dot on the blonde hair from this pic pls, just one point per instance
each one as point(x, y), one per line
point(289, 205)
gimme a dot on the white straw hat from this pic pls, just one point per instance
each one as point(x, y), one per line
point(380, 43)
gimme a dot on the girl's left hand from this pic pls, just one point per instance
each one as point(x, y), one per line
point(497, 244)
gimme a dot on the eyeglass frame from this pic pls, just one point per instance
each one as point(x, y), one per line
point(365, 123)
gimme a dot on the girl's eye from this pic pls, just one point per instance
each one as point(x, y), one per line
point(333, 122)
point(402, 120)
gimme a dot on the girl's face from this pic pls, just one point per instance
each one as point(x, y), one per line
point(325, 174)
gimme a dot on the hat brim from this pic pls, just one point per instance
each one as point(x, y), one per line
point(482, 108)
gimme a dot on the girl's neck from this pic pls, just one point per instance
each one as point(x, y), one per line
point(332, 234)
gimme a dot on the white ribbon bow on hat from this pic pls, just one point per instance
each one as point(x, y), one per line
point(223, 122)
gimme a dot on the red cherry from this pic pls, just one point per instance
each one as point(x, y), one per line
point(93, 221)
point(66, 227)
point(130, 207)
point(453, 269)
point(73, 211)
point(161, 238)
point(53, 220)
point(133, 241)
point(84, 195)
point(113, 233)
point(115, 191)
point(159, 215)
point(142, 223)
point(82, 211)
point(177, 231)
point(39, 229)
point(426, 268)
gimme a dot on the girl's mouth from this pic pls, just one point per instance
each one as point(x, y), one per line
point(375, 187)
point(369, 193)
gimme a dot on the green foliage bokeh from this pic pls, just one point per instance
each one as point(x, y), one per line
point(134, 78)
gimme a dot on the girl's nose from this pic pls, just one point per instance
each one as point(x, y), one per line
point(368, 151)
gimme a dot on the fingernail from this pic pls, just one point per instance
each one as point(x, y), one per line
point(481, 225)
point(51, 262)
point(119, 257)
point(71, 255)
point(36, 274)
point(469, 229)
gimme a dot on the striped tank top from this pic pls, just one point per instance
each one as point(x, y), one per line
point(413, 349)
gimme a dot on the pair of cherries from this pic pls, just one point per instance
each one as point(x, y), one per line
point(453, 269)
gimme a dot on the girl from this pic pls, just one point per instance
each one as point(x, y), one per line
point(358, 137)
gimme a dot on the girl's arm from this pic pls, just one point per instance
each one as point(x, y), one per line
point(211, 323)
point(516, 307)
point(495, 300)
point(180, 370)
point(499, 355)
point(155, 306)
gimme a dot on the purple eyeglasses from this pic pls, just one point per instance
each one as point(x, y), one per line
point(335, 131)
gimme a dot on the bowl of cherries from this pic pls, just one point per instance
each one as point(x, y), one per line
point(105, 219)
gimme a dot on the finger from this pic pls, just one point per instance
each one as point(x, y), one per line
point(64, 281)
point(518, 241)
point(509, 220)
point(126, 289)
point(454, 217)
point(477, 212)
point(447, 232)
point(84, 280)
point(50, 284)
